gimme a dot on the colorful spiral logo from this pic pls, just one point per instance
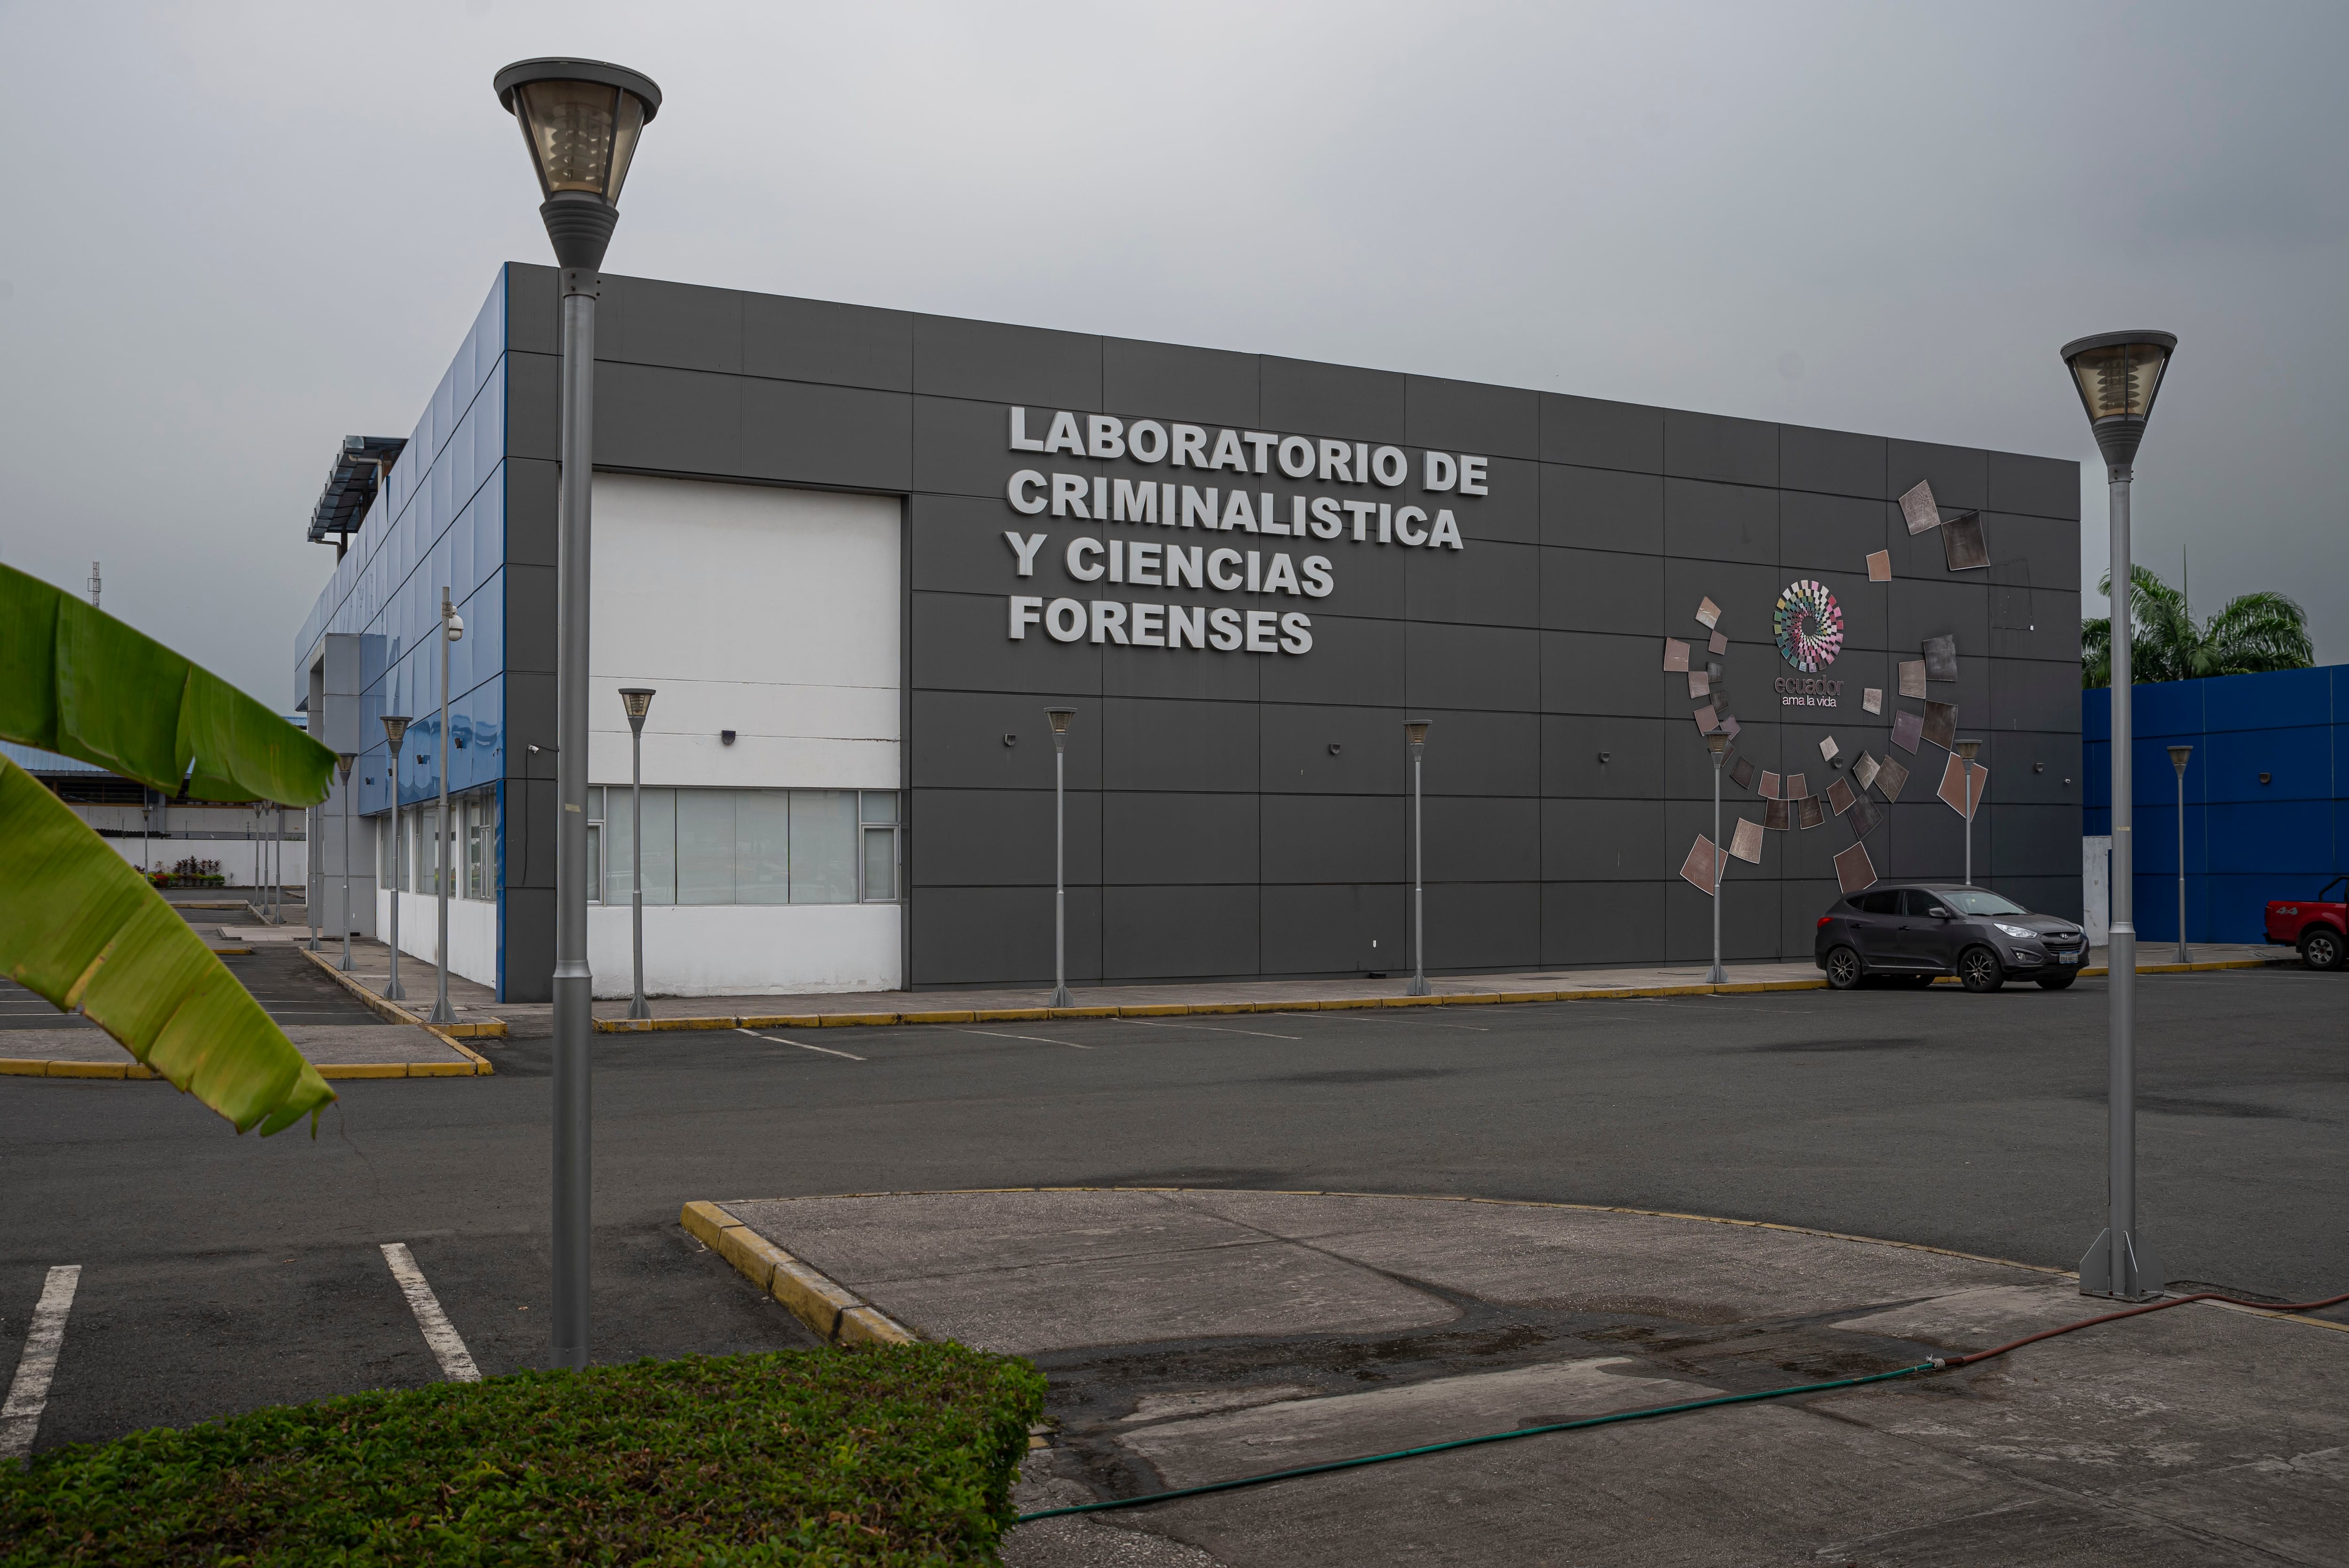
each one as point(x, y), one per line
point(1809, 625)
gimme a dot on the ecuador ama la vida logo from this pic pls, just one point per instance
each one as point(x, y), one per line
point(1809, 625)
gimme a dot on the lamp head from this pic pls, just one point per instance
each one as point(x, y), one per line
point(343, 759)
point(2178, 755)
point(1968, 749)
point(1716, 740)
point(580, 119)
point(2117, 374)
point(395, 725)
point(638, 702)
point(1415, 730)
point(1060, 717)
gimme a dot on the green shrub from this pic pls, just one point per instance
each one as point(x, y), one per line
point(885, 1454)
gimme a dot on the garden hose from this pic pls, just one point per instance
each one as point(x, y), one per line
point(1936, 1363)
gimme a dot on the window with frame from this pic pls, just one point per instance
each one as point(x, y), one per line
point(748, 846)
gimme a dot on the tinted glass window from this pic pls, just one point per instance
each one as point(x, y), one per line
point(1887, 903)
point(1916, 900)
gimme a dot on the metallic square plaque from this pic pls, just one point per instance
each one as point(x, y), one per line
point(1770, 786)
point(1906, 728)
point(1872, 699)
point(1814, 813)
point(1707, 720)
point(1729, 722)
point(1964, 548)
point(1941, 661)
point(1708, 612)
point(1854, 869)
point(1701, 855)
point(1840, 795)
point(1863, 768)
point(1741, 773)
point(1941, 724)
point(1675, 655)
point(1953, 785)
point(1797, 787)
point(1774, 816)
point(1866, 816)
point(1892, 777)
point(1718, 644)
point(1700, 683)
point(1879, 566)
point(1918, 508)
point(1829, 749)
point(1912, 678)
point(1746, 842)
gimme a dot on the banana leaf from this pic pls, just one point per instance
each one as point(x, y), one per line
point(79, 925)
point(76, 681)
point(82, 926)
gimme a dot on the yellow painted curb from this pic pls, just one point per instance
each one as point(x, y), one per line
point(89, 1070)
point(846, 1020)
point(21, 1066)
point(963, 1017)
point(780, 1021)
point(1009, 1015)
point(829, 1308)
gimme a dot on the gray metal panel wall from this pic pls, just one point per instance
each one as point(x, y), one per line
point(1213, 830)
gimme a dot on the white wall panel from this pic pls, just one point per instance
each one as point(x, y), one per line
point(472, 940)
point(718, 950)
point(771, 612)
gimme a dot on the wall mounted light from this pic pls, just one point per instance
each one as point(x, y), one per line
point(1335, 749)
point(1605, 757)
point(2265, 776)
point(1010, 740)
point(725, 737)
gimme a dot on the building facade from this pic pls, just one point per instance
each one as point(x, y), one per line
point(857, 553)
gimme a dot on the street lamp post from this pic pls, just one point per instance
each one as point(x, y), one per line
point(343, 759)
point(638, 702)
point(2178, 755)
point(2117, 374)
point(395, 730)
point(580, 119)
point(444, 835)
point(1059, 718)
point(1716, 741)
point(1967, 751)
point(1414, 734)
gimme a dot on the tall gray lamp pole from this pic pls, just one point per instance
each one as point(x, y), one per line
point(1716, 740)
point(1967, 751)
point(2177, 758)
point(1414, 734)
point(444, 835)
point(395, 730)
point(2117, 374)
point(580, 119)
point(343, 759)
point(638, 702)
point(1059, 718)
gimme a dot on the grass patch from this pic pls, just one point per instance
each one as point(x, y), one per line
point(892, 1454)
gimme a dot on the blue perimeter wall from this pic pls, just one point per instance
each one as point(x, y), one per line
point(2246, 843)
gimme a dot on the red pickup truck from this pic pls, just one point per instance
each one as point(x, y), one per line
point(2313, 925)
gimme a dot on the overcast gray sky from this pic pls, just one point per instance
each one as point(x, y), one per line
point(236, 232)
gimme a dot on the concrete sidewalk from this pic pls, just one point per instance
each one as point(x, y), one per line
point(477, 1004)
point(1195, 1336)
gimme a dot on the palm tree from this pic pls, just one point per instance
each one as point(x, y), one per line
point(2263, 631)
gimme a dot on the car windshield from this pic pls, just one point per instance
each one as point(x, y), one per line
point(1976, 900)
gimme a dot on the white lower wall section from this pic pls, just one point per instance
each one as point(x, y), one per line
point(245, 865)
point(472, 935)
point(717, 950)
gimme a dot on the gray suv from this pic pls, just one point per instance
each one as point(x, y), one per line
point(1911, 933)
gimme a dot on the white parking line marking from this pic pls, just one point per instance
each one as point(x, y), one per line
point(28, 1396)
point(1039, 1039)
point(1211, 1028)
point(439, 1334)
point(802, 1045)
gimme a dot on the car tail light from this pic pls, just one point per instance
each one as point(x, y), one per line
point(1826, 918)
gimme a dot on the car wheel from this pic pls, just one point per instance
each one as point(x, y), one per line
point(2321, 949)
point(2057, 982)
point(1844, 970)
point(1979, 969)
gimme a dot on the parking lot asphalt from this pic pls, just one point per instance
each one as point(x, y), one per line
point(220, 1274)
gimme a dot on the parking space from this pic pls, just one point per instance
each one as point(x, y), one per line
point(220, 1274)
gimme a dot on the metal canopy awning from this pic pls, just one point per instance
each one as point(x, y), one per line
point(351, 485)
